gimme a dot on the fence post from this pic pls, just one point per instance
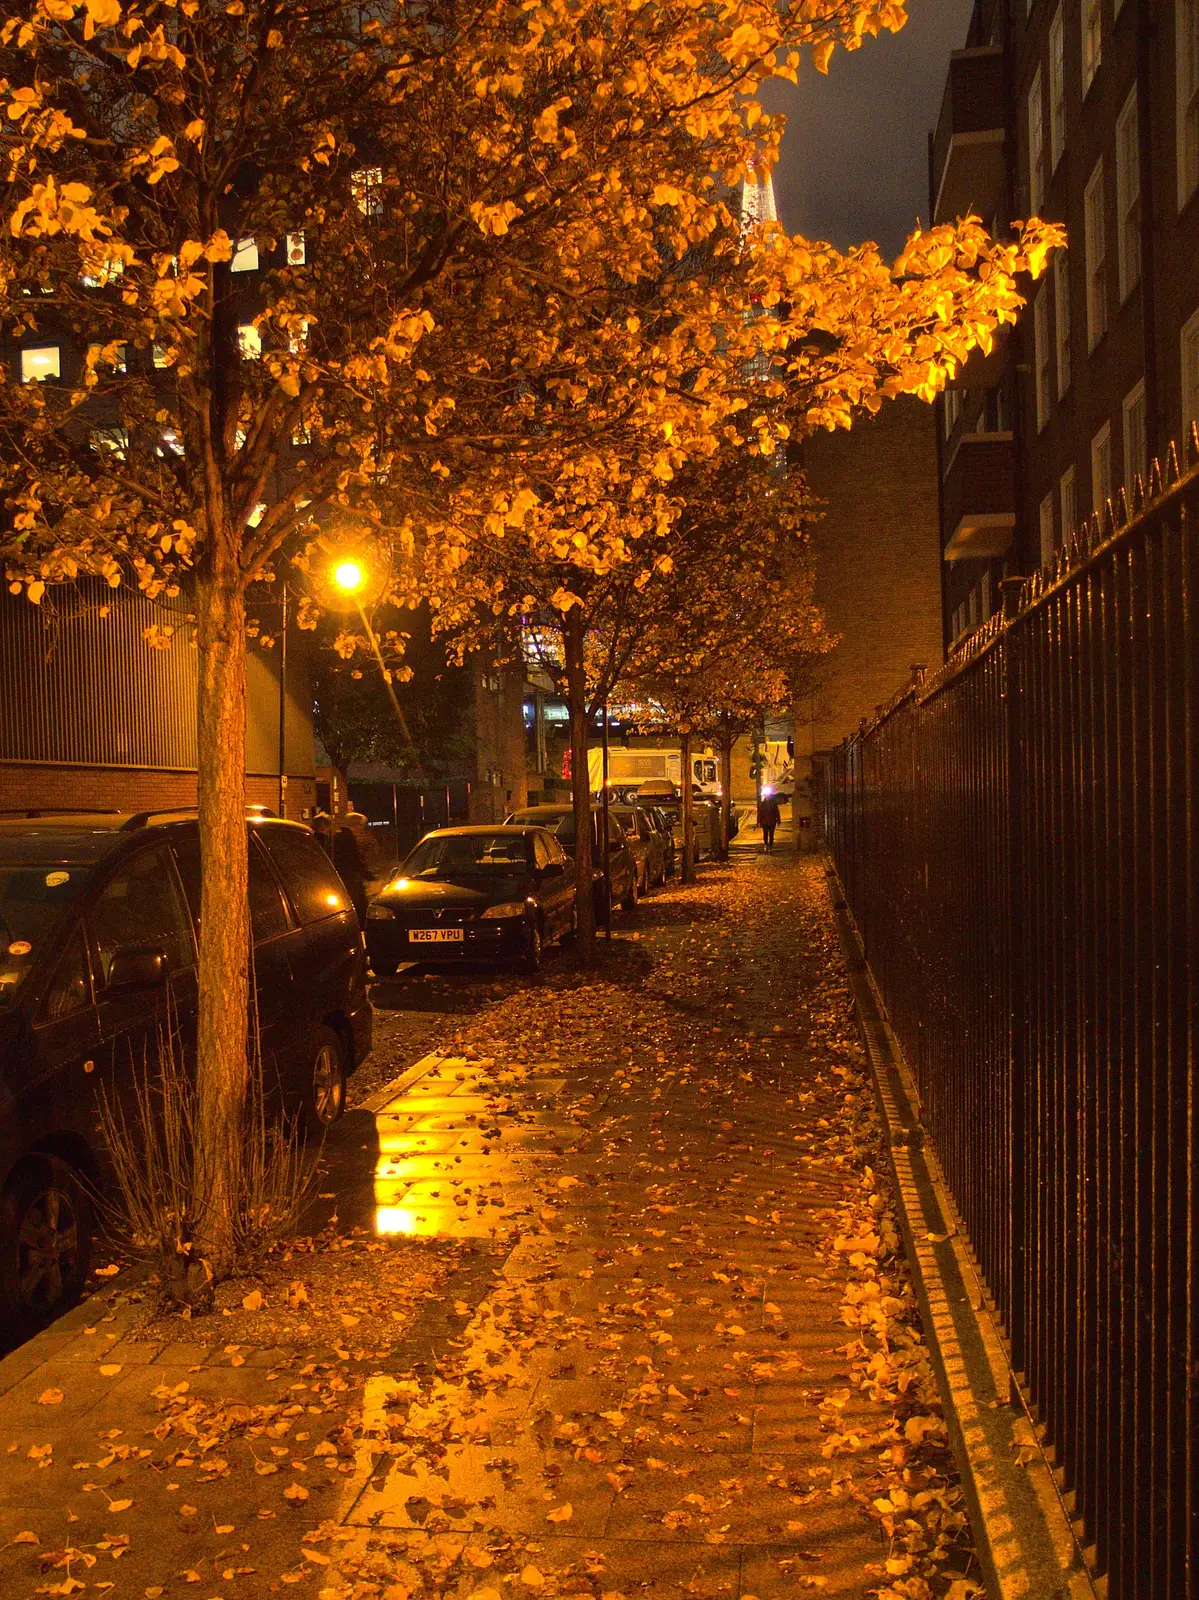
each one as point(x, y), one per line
point(1018, 1130)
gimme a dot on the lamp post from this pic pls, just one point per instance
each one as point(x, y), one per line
point(349, 576)
point(283, 703)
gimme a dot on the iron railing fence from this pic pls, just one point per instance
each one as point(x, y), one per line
point(1018, 842)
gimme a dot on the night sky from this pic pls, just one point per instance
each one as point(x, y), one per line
point(855, 154)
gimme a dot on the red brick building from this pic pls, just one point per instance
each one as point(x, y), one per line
point(877, 572)
point(1085, 112)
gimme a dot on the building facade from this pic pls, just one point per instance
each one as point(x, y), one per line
point(877, 579)
point(1084, 112)
point(93, 718)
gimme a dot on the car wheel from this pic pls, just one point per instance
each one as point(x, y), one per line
point(325, 1089)
point(629, 903)
point(385, 968)
point(531, 961)
point(46, 1229)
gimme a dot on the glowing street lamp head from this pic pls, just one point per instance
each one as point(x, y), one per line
point(349, 576)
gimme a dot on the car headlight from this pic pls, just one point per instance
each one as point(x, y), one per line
point(509, 908)
point(376, 913)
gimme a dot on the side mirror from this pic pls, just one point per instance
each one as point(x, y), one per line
point(137, 966)
point(552, 869)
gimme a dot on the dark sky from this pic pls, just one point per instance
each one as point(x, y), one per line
point(854, 164)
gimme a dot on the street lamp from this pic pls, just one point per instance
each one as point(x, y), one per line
point(349, 576)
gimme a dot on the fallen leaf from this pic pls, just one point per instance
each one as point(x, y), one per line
point(110, 1371)
point(532, 1577)
point(223, 1527)
point(560, 1513)
point(253, 1301)
point(24, 1538)
point(187, 1511)
point(314, 1556)
point(295, 1491)
point(50, 1397)
point(119, 1505)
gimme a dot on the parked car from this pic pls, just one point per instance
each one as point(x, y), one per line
point(661, 823)
point(99, 931)
point(622, 869)
point(480, 893)
point(646, 844)
point(705, 814)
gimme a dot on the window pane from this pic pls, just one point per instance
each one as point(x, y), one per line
point(40, 363)
point(70, 989)
point(245, 257)
point(268, 914)
point(1047, 530)
point(140, 906)
point(315, 889)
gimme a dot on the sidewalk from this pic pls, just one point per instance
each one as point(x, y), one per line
point(663, 1346)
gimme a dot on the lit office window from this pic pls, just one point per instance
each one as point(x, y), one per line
point(249, 341)
point(297, 250)
point(367, 187)
point(40, 363)
point(245, 257)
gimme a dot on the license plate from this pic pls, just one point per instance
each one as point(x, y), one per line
point(435, 935)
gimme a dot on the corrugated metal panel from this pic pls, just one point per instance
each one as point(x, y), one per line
point(83, 688)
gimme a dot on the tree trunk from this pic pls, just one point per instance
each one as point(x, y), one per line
point(688, 813)
point(576, 700)
point(726, 789)
point(221, 1068)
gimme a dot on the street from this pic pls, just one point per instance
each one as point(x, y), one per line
point(636, 1324)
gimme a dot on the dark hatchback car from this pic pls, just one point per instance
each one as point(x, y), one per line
point(622, 868)
point(646, 843)
point(99, 931)
point(474, 894)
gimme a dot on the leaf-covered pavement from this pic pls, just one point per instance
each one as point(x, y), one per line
point(699, 1373)
point(645, 1334)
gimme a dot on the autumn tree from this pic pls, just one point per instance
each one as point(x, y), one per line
point(419, 269)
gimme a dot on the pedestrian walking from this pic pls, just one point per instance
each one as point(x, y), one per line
point(322, 826)
point(375, 866)
point(351, 869)
point(769, 817)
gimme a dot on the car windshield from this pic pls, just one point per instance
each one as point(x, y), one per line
point(562, 827)
point(32, 902)
point(451, 854)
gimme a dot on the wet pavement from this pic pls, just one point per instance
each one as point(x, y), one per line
point(660, 1396)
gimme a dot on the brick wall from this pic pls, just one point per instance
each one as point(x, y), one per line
point(877, 577)
point(131, 789)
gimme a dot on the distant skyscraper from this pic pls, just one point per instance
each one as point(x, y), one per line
point(757, 201)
